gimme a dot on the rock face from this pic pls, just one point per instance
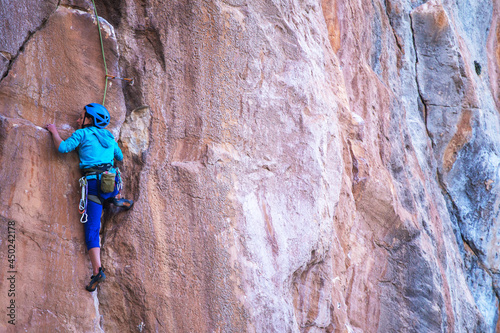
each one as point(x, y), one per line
point(297, 166)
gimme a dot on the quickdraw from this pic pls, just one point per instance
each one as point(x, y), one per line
point(128, 79)
point(82, 207)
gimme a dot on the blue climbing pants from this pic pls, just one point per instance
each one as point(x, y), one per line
point(94, 212)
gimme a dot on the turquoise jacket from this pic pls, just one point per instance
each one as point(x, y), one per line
point(95, 146)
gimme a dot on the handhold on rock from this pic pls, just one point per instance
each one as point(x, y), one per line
point(477, 66)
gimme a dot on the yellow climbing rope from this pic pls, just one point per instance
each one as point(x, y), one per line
point(107, 76)
point(103, 55)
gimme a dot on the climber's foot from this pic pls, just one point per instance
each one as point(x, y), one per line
point(125, 203)
point(95, 280)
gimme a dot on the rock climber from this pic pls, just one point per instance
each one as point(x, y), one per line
point(97, 150)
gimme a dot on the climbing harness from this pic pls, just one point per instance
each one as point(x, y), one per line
point(95, 174)
point(108, 76)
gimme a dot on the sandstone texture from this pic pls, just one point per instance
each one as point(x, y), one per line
point(297, 165)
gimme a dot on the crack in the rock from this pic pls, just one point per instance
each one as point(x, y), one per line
point(454, 208)
point(475, 251)
point(400, 47)
point(21, 121)
point(454, 211)
point(26, 41)
point(442, 106)
point(420, 97)
point(70, 6)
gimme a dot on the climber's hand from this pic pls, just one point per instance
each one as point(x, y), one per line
point(51, 128)
point(55, 134)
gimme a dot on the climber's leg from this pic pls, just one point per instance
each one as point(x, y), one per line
point(95, 259)
point(92, 228)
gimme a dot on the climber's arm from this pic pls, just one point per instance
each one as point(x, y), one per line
point(65, 146)
point(55, 135)
point(118, 153)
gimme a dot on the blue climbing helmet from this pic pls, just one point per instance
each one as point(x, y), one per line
point(98, 113)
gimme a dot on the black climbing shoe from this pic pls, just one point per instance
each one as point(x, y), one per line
point(126, 204)
point(95, 280)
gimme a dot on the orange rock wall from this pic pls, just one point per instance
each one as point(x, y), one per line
point(297, 166)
